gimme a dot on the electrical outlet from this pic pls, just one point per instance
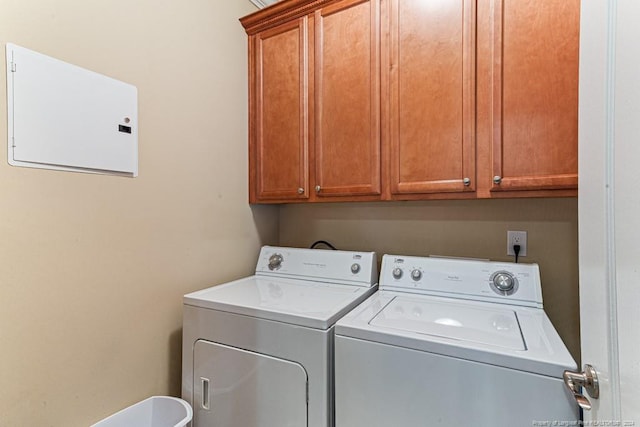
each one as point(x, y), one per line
point(517, 238)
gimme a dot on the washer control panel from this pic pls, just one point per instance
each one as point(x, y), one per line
point(357, 268)
point(504, 282)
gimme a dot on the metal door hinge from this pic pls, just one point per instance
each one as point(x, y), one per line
point(12, 67)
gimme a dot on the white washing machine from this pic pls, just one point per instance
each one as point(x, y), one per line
point(455, 343)
point(259, 351)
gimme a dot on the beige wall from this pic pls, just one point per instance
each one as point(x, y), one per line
point(474, 228)
point(93, 267)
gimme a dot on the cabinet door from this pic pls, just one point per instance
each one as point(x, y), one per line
point(347, 99)
point(279, 134)
point(432, 96)
point(534, 91)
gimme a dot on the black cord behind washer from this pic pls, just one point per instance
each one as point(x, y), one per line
point(322, 242)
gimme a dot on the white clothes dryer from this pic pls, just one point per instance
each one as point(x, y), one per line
point(258, 352)
point(455, 343)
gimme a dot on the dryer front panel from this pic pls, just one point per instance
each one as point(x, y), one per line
point(239, 388)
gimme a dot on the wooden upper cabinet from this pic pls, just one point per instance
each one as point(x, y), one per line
point(347, 99)
point(533, 87)
point(413, 99)
point(431, 85)
point(279, 119)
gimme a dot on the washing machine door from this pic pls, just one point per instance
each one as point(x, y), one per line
point(239, 388)
point(465, 323)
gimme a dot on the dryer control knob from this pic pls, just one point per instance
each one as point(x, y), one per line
point(416, 274)
point(397, 273)
point(355, 268)
point(275, 261)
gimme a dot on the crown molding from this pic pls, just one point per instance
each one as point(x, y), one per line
point(279, 12)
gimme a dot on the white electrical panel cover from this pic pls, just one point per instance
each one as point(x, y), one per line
point(64, 117)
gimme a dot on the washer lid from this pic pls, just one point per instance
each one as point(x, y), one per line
point(514, 337)
point(300, 302)
point(497, 327)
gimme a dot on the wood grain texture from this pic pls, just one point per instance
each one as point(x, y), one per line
point(347, 94)
point(535, 94)
point(432, 95)
point(465, 88)
point(281, 133)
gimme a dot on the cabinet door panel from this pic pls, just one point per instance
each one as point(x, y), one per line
point(432, 96)
point(535, 94)
point(282, 137)
point(347, 90)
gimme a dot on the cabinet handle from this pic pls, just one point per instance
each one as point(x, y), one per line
point(318, 188)
point(497, 179)
point(300, 190)
point(466, 182)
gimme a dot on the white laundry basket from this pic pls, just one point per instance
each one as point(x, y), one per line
point(156, 411)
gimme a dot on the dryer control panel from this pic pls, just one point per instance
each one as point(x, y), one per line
point(352, 268)
point(508, 283)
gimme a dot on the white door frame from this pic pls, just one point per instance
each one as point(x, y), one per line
point(609, 203)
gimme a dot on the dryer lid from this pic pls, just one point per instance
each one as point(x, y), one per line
point(300, 302)
point(497, 327)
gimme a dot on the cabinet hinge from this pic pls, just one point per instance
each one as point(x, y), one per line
point(13, 67)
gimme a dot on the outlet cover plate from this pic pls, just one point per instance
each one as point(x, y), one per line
point(517, 238)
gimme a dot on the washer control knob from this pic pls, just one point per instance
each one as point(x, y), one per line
point(355, 268)
point(275, 261)
point(416, 274)
point(397, 273)
point(504, 281)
